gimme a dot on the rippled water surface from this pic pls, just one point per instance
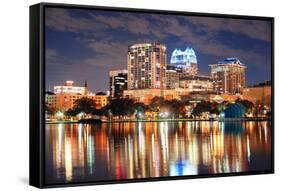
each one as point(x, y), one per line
point(114, 151)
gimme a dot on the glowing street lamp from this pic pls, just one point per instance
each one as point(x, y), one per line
point(60, 114)
point(80, 115)
point(140, 114)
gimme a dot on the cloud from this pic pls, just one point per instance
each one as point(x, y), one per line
point(112, 22)
point(54, 58)
point(108, 34)
point(51, 54)
point(200, 31)
point(257, 29)
point(137, 24)
point(106, 54)
point(205, 40)
point(62, 20)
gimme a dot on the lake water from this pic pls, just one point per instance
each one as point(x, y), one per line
point(115, 151)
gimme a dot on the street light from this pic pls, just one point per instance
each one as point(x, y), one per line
point(60, 114)
point(80, 115)
point(140, 114)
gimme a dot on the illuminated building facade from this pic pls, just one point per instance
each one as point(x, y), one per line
point(197, 83)
point(66, 96)
point(62, 101)
point(146, 95)
point(259, 94)
point(69, 88)
point(172, 77)
point(147, 66)
point(185, 61)
point(118, 82)
point(229, 76)
point(66, 101)
point(100, 100)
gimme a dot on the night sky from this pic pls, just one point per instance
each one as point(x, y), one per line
point(85, 44)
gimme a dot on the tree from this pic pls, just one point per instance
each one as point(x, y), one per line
point(175, 107)
point(246, 103)
point(156, 103)
point(50, 110)
point(140, 107)
point(121, 107)
point(85, 105)
point(71, 112)
point(204, 106)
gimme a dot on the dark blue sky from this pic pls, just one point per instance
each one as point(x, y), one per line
point(85, 44)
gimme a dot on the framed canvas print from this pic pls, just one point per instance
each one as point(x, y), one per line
point(124, 95)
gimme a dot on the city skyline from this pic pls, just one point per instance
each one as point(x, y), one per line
point(76, 43)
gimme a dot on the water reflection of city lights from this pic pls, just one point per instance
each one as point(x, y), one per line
point(248, 149)
point(68, 159)
point(182, 167)
point(140, 150)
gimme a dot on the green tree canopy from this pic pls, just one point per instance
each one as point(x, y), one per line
point(85, 105)
point(204, 106)
point(121, 107)
point(50, 110)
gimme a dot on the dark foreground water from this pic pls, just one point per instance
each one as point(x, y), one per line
point(114, 151)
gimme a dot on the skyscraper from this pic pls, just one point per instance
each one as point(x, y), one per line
point(185, 61)
point(147, 66)
point(117, 82)
point(229, 76)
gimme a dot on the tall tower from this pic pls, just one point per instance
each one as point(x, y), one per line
point(229, 76)
point(147, 64)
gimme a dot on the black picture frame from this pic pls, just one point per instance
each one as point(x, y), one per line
point(37, 93)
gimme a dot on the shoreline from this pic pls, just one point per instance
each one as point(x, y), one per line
point(160, 120)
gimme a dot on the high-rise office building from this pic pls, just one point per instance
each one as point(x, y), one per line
point(118, 82)
point(147, 66)
point(185, 61)
point(229, 76)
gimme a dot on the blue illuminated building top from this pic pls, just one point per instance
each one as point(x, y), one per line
point(185, 58)
point(232, 60)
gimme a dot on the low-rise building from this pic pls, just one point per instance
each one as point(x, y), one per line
point(69, 88)
point(197, 83)
point(259, 94)
point(100, 100)
point(64, 97)
point(172, 77)
point(146, 95)
point(64, 102)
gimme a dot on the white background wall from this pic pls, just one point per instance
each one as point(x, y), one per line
point(14, 53)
